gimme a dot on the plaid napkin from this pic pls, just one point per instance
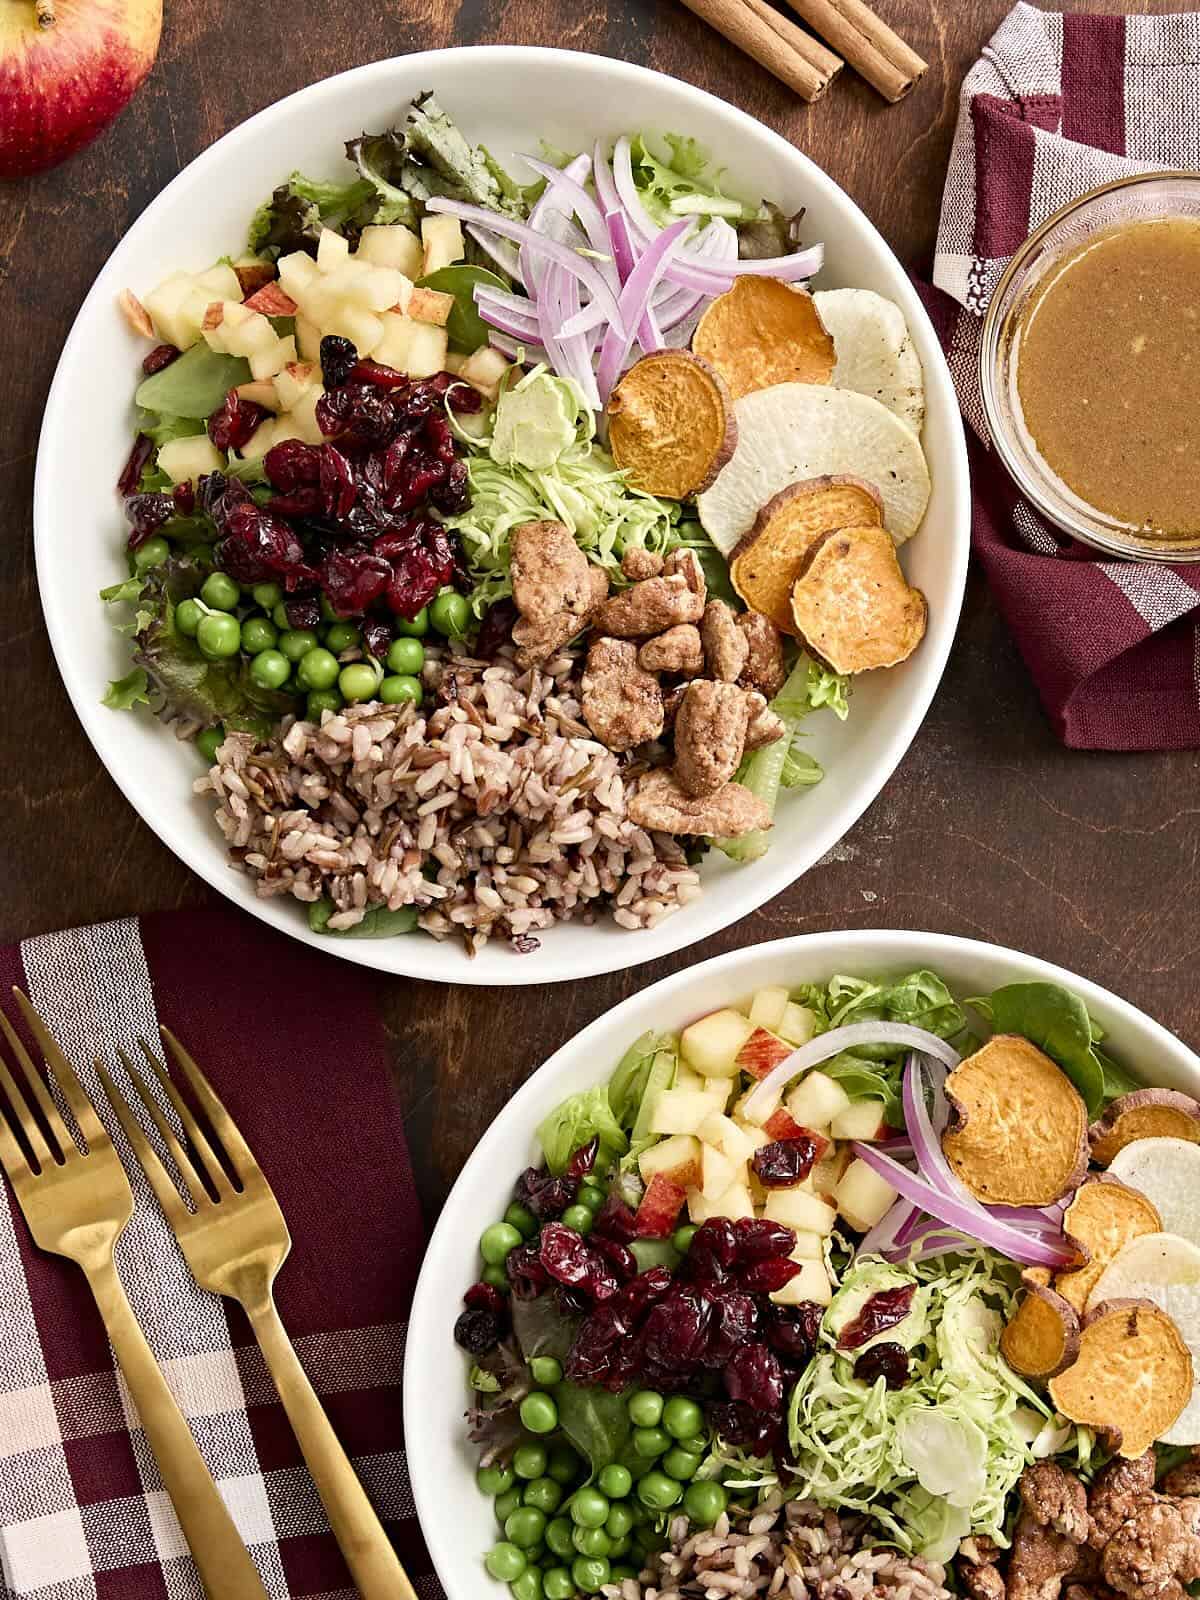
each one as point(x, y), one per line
point(294, 1046)
point(1056, 105)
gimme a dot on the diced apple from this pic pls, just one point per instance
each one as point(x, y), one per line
point(291, 383)
point(260, 394)
point(392, 245)
point(811, 1283)
point(430, 305)
point(393, 346)
point(164, 304)
point(248, 336)
point(383, 289)
point(485, 369)
point(717, 1171)
point(308, 338)
point(332, 250)
point(827, 1174)
point(863, 1196)
point(186, 459)
point(260, 441)
point(723, 1132)
point(302, 419)
point(660, 1207)
point(266, 363)
point(798, 1024)
point(272, 300)
point(782, 1125)
point(680, 1111)
point(698, 1207)
point(442, 243)
point(222, 280)
point(765, 1106)
point(797, 1208)
point(298, 273)
point(363, 329)
point(863, 1119)
point(767, 1008)
point(677, 1158)
point(711, 1044)
point(427, 346)
point(808, 1246)
point(761, 1052)
point(251, 273)
point(736, 1203)
point(816, 1100)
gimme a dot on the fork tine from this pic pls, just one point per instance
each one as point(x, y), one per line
point(12, 1157)
point(41, 1094)
point(226, 1129)
point(210, 1162)
point(65, 1075)
point(26, 1120)
point(187, 1168)
point(160, 1181)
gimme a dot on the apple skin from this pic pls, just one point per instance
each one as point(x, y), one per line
point(60, 86)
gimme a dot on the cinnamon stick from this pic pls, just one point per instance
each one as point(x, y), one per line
point(865, 40)
point(803, 43)
point(734, 20)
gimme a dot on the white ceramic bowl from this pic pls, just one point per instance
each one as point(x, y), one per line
point(510, 97)
point(456, 1519)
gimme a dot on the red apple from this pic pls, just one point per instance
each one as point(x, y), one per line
point(67, 67)
point(660, 1208)
point(761, 1052)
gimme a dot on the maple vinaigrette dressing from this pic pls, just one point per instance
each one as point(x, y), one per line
point(1108, 374)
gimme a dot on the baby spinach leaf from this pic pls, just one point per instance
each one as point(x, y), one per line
point(596, 1422)
point(1057, 1021)
point(193, 386)
point(379, 922)
point(542, 1328)
point(465, 328)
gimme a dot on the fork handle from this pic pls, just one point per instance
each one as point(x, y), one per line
point(221, 1558)
point(373, 1562)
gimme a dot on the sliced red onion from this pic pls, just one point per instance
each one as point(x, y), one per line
point(635, 297)
point(506, 322)
point(576, 350)
point(649, 335)
point(640, 220)
point(926, 1143)
point(516, 349)
point(834, 1042)
point(602, 177)
point(884, 1235)
point(571, 196)
point(987, 1230)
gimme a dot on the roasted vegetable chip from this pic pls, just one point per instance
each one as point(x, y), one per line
point(1043, 1337)
point(1132, 1377)
point(1103, 1217)
point(671, 424)
point(763, 332)
point(1145, 1114)
point(852, 604)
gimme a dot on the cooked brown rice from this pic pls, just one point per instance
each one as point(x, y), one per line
point(501, 788)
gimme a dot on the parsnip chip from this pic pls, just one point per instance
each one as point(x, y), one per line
point(852, 604)
point(875, 352)
point(1132, 1377)
point(1103, 1217)
point(1145, 1114)
point(1042, 1339)
point(762, 332)
point(1018, 1134)
point(671, 424)
point(766, 563)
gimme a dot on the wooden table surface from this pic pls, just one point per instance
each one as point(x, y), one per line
point(988, 829)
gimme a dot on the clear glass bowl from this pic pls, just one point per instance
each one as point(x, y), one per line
point(1151, 196)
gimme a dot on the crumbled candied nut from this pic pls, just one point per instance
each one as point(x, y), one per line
point(710, 735)
point(661, 806)
point(1154, 1552)
point(981, 1580)
point(677, 650)
point(685, 564)
point(637, 564)
point(764, 726)
point(538, 641)
point(650, 607)
point(1181, 1480)
point(550, 573)
point(764, 669)
point(135, 313)
point(1056, 1499)
point(1119, 1487)
point(1040, 1560)
point(672, 700)
point(622, 704)
point(726, 647)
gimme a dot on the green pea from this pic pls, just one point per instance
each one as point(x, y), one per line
point(449, 613)
point(525, 1527)
point(546, 1371)
point(317, 669)
point(496, 1276)
point(320, 701)
point(565, 1465)
point(697, 1445)
point(528, 1586)
point(207, 744)
point(518, 1216)
point(406, 655)
point(496, 1241)
point(270, 669)
point(591, 1195)
point(615, 1480)
point(543, 1493)
point(682, 1417)
point(279, 616)
point(529, 1460)
point(538, 1412)
point(658, 1491)
point(681, 1464)
point(258, 634)
point(398, 689)
point(341, 636)
point(577, 1217)
point(704, 1502)
point(505, 1562)
point(590, 1573)
point(649, 1442)
point(645, 1408)
point(219, 636)
point(188, 616)
point(220, 592)
point(557, 1582)
point(417, 628)
point(682, 1237)
point(357, 683)
point(151, 554)
point(619, 1571)
point(506, 1504)
point(591, 1541)
point(589, 1508)
point(558, 1537)
point(619, 1521)
point(495, 1480)
point(295, 643)
point(266, 595)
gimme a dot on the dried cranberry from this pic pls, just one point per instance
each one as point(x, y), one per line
point(377, 637)
point(212, 489)
point(453, 494)
point(358, 412)
point(786, 1162)
point(622, 1261)
point(258, 546)
point(584, 1159)
point(477, 1332)
point(882, 1311)
point(565, 1254)
point(394, 459)
point(463, 397)
point(292, 464)
point(303, 502)
point(416, 578)
point(422, 473)
point(740, 1425)
point(496, 629)
point(765, 1277)
point(353, 579)
point(146, 514)
point(161, 356)
point(792, 1331)
point(438, 439)
point(303, 611)
point(676, 1330)
point(184, 496)
point(131, 472)
point(545, 1196)
point(735, 1323)
point(526, 1274)
point(570, 1302)
point(712, 1252)
point(232, 423)
point(338, 356)
point(753, 1374)
point(758, 1239)
point(615, 1220)
point(338, 488)
point(375, 372)
point(888, 1361)
point(485, 1297)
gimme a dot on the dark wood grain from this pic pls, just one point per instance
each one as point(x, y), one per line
point(989, 828)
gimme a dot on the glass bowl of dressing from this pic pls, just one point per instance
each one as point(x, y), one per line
point(1090, 367)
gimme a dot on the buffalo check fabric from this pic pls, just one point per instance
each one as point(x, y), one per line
point(294, 1046)
point(1055, 105)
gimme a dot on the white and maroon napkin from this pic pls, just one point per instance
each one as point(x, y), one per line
point(1056, 105)
point(293, 1044)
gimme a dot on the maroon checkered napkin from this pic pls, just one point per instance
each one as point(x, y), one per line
point(295, 1047)
point(1055, 105)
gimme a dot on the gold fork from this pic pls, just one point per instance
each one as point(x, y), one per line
point(77, 1205)
point(235, 1240)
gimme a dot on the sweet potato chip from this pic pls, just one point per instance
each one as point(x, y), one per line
point(767, 561)
point(671, 424)
point(1043, 1337)
point(852, 604)
point(1018, 1132)
point(1103, 1217)
point(763, 332)
point(1132, 1377)
point(1145, 1114)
